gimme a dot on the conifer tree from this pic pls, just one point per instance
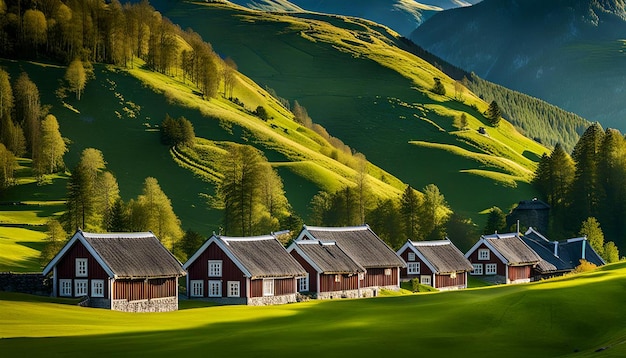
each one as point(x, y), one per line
point(496, 221)
point(493, 113)
point(585, 191)
point(410, 203)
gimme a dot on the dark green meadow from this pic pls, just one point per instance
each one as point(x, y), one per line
point(577, 316)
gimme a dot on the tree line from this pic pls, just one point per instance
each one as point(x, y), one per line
point(109, 32)
point(587, 189)
point(537, 119)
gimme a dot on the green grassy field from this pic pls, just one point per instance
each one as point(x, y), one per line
point(570, 317)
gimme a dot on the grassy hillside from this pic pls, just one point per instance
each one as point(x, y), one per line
point(573, 317)
point(354, 80)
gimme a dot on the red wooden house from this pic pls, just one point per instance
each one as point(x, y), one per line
point(503, 258)
point(331, 273)
point(121, 271)
point(382, 265)
point(243, 270)
point(435, 263)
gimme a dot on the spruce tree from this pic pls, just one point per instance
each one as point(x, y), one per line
point(585, 191)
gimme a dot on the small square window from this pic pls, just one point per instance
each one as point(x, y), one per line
point(81, 267)
point(425, 280)
point(215, 288)
point(233, 289)
point(268, 287)
point(197, 288)
point(80, 288)
point(97, 288)
point(215, 268)
point(303, 283)
point(411, 256)
point(337, 278)
point(65, 288)
point(483, 254)
point(388, 272)
point(478, 269)
point(413, 268)
point(491, 269)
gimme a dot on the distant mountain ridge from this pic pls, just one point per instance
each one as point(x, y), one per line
point(403, 16)
point(567, 52)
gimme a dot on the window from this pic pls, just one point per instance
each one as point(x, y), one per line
point(337, 278)
point(411, 256)
point(215, 268)
point(413, 268)
point(491, 269)
point(453, 275)
point(215, 288)
point(425, 280)
point(197, 288)
point(65, 288)
point(97, 288)
point(387, 272)
point(478, 269)
point(81, 267)
point(80, 288)
point(268, 287)
point(483, 254)
point(361, 276)
point(233, 289)
point(303, 283)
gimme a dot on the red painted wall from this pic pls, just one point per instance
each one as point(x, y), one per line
point(199, 270)
point(66, 268)
point(309, 269)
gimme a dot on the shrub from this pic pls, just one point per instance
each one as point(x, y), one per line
point(584, 266)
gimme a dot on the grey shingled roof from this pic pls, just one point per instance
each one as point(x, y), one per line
point(569, 251)
point(361, 244)
point(134, 255)
point(514, 250)
point(443, 256)
point(329, 257)
point(263, 256)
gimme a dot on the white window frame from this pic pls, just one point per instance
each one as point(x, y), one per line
point(413, 268)
point(491, 269)
point(387, 272)
point(303, 283)
point(361, 276)
point(81, 288)
point(81, 267)
point(478, 269)
point(426, 280)
point(215, 268)
point(337, 278)
point(453, 275)
point(97, 288)
point(214, 288)
point(483, 254)
point(268, 287)
point(411, 256)
point(65, 287)
point(234, 289)
point(196, 288)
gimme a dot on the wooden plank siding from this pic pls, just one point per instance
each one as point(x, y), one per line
point(199, 270)
point(141, 289)
point(66, 268)
point(328, 283)
point(375, 277)
point(311, 271)
point(448, 281)
point(519, 272)
point(282, 286)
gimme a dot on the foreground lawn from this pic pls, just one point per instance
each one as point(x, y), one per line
point(574, 317)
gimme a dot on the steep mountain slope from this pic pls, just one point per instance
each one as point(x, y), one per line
point(401, 15)
point(355, 80)
point(568, 52)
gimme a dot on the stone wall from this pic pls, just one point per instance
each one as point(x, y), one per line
point(31, 283)
point(272, 300)
point(165, 304)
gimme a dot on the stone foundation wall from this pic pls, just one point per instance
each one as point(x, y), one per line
point(272, 300)
point(31, 283)
point(165, 304)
